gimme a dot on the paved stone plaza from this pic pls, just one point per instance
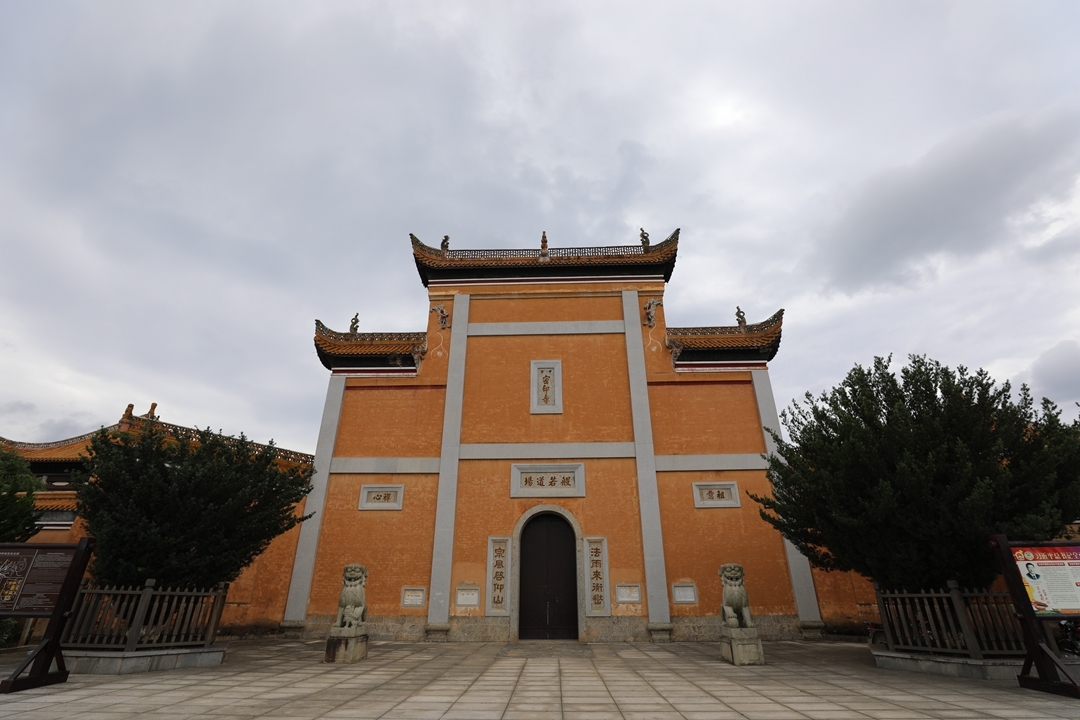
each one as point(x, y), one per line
point(474, 681)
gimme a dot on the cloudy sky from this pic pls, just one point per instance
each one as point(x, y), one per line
point(185, 187)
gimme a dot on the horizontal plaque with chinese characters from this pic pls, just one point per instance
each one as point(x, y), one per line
point(381, 497)
point(716, 494)
point(564, 480)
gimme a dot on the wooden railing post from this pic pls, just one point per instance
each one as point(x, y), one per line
point(135, 631)
point(971, 639)
point(885, 621)
point(221, 591)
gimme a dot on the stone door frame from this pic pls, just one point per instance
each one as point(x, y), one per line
point(515, 566)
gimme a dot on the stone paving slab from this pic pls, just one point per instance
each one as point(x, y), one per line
point(285, 680)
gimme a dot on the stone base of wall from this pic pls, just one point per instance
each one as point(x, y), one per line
point(707, 629)
point(412, 628)
point(106, 662)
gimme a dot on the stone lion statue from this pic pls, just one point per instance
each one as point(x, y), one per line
point(736, 607)
point(352, 608)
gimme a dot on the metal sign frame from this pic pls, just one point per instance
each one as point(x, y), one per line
point(41, 659)
point(1053, 676)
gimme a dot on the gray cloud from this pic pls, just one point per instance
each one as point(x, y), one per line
point(16, 406)
point(184, 188)
point(1056, 373)
point(956, 200)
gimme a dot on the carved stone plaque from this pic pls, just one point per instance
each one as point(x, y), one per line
point(597, 600)
point(467, 597)
point(413, 596)
point(381, 497)
point(628, 594)
point(716, 494)
point(563, 480)
point(498, 576)
point(545, 387)
point(684, 593)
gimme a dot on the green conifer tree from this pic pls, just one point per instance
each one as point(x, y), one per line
point(17, 514)
point(904, 479)
point(189, 513)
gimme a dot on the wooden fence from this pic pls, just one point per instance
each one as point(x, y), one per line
point(132, 618)
point(971, 623)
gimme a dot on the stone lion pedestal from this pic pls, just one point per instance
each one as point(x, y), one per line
point(741, 646)
point(348, 642)
point(739, 642)
point(346, 645)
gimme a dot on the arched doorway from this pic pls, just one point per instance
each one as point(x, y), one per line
point(548, 608)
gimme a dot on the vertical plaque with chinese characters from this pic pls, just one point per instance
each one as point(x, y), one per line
point(498, 576)
point(545, 387)
point(597, 600)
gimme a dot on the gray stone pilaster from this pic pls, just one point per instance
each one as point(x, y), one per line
point(442, 556)
point(652, 537)
point(308, 543)
point(802, 580)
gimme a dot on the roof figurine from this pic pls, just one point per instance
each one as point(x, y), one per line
point(354, 324)
point(740, 317)
point(545, 256)
point(445, 243)
point(644, 240)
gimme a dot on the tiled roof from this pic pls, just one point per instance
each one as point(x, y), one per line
point(54, 499)
point(737, 342)
point(338, 349)
point(434, 263)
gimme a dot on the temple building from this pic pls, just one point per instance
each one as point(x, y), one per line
point(548, 459)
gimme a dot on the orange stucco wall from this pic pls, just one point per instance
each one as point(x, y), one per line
point(595, 381)
point(697, 541)
point(847, 601)
point(395, 545)
point(390, 421)
point(703, 418)
point(610, 509)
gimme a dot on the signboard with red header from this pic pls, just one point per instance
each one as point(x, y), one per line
point(1051, 577)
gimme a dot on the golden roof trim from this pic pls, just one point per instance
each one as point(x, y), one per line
point(756, 335)
point(351, 344)
point(576, 256)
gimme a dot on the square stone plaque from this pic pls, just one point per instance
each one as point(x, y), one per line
point(413, 597)
point(684, 593)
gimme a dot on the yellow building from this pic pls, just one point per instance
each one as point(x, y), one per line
point(547, 459)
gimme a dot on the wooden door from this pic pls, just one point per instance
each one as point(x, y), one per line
point(548, 606)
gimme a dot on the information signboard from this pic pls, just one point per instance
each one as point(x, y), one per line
point(41, 580)
point(31, 578)
point(1051, 577)
point(1044, 581)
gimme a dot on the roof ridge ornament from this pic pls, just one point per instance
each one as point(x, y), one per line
point(354, 324)
point(740, 317)
point(645, 240)
point(445, 244)
point(545, 256)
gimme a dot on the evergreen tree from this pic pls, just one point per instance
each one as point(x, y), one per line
point(17, 514)
point(187, 512)
point(904, 480)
